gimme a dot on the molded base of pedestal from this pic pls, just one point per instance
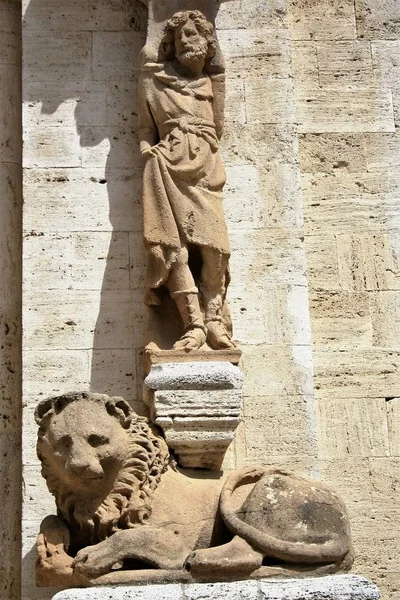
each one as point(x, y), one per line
point(334, 587)
point(197, 405)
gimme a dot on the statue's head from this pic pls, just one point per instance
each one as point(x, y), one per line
point(189, 37)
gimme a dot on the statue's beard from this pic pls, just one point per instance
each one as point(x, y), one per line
point(193, 55)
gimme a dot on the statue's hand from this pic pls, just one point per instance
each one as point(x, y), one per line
point(146, 151)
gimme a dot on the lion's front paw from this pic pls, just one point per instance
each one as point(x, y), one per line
point(53, 564)
point(94, 561)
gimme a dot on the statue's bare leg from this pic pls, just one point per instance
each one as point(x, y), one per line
point(184, 292)
point(213, 289)
point(236, 555)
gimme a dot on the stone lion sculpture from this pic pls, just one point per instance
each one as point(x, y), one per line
point(126, 512)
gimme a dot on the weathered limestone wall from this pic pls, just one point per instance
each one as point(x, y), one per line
point(10, 298)
point(83, 258)
point(347, 82)
point(332, 137)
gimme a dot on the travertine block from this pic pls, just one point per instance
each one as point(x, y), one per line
point(357, 373)
point(111, 146)
point(333, 152)
point(339, 202)
point(10, 368)
point(369, 261)
point(385, 309)
point(350, 477)
point(269, 100)
point(10, 90)
point(396, 104)
point(322, 262)
point(256, 13)
point(383, 151)
point(352, 427)
point(58, 55)
point(341, 318)
point(277, 370)
point(115, 372)
point(64, 104)
point(344, 110)
point(235, 105)
point(305, 64)
point(385, 479)
point(37, 501)
point(76, 17)
point(272, 425)
point(10, 476)
point(121, 104)
point(262, 144)
point(393, 416)
point(116, 55)
point(52, 147)
point(270, 257)
point(246, 306)
point(48, 261)
point(386, 57)
point(70, 195)
point(116, 319)
point(345, 63)
point(10, 241)
point(100, 260)
point(282, 193)
point(137, 262)
point(243, 182)
point(286, 315)
point(51, 372)
point(322, 19)
point(378, 19)
point(271, 47)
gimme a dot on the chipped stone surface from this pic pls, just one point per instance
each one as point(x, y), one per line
point(339, 587)
point(194, 376)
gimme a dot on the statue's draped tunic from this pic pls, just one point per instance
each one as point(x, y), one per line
point(184, 176)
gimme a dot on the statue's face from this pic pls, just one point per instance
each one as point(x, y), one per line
point(88, 445)
point(190, 45)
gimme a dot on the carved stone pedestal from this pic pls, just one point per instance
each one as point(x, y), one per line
point(197, 405)
point(336, 587)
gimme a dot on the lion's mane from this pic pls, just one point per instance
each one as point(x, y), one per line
point(128, 503)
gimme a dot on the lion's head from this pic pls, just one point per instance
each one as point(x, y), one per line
point(101, 461)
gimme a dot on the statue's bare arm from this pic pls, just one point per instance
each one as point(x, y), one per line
point(148, 132)
point(218, 86)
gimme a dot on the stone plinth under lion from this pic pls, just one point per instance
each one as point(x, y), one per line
point(126, 513)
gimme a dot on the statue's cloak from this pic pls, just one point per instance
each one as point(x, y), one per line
point(184, 176)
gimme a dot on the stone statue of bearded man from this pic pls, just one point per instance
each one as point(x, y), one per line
point(180, 122)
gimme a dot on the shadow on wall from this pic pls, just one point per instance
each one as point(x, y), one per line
point(87, 55)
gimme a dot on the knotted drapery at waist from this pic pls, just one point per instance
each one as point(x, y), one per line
point(193, 125)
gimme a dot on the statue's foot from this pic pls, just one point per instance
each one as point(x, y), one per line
point(193, 339)
point(217, 336)
point(236, 555)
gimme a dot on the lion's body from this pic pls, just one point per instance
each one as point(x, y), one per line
point(119, 501)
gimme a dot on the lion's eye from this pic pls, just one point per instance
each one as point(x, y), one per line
point(97, 440)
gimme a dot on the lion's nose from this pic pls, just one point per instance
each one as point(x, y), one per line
point(85, 467)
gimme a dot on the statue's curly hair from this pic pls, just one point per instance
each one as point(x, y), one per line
point(128, 504)
point(204, 27)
